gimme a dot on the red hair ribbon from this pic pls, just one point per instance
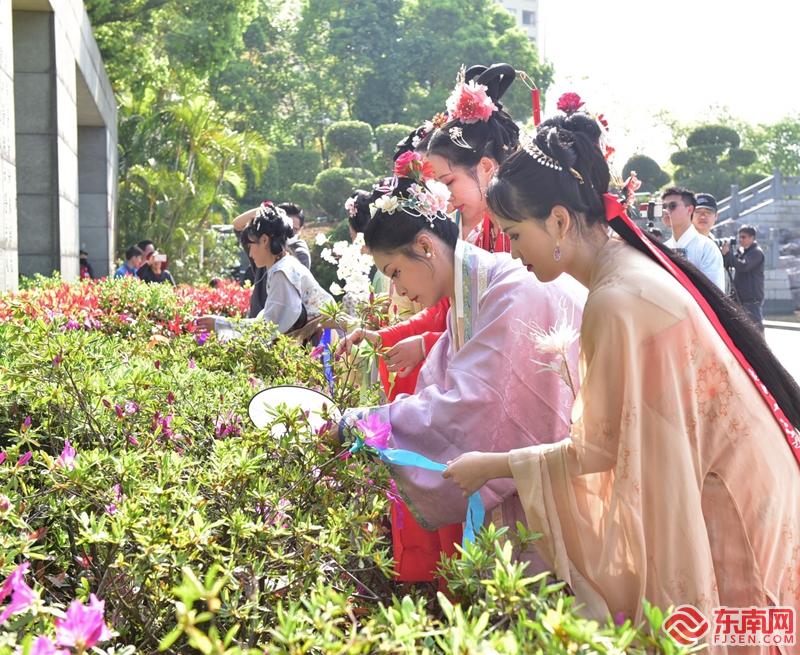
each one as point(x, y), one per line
point(615, 210)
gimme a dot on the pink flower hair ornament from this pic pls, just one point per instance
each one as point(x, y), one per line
point(469, 102)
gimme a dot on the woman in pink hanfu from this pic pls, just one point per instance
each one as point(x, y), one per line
point(474, 390)
point(679, 482)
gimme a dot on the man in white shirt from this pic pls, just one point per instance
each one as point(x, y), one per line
point(678, 206)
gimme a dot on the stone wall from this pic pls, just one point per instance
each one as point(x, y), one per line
point(58, 112)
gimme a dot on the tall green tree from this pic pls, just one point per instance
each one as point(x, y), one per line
point(777, 145)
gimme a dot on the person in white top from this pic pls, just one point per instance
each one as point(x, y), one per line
point(678, 206)
point(294, 297)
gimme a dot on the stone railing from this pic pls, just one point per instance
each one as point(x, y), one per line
point(772, 188)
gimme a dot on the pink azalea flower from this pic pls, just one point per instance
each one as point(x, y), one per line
point(316, 353)
point(25, 459)
point(67, 457)
point(133, 440)
point(5, 503)
point(83, 626)
point(3, 457)
point(131, 408)
point(22, 596)
point(376, 431)
point(45, 646)
point(191, 363)
point(26, 423)
point(170, 398)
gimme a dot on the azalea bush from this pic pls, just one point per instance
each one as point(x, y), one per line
point(140, 509)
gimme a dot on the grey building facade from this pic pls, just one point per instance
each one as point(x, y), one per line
point(58, 142)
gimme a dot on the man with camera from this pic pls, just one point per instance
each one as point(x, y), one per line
point(678, 205)
point(748, 262)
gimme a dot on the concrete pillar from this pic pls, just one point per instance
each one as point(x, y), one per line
point(95, 218)
point(8, 168)
point(36, 138)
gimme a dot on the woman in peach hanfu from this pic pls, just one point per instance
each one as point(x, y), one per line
point(679, 482)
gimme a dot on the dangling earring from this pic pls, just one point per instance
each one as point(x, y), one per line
point(557, 253)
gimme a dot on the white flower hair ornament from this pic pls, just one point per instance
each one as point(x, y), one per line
point(426, 199)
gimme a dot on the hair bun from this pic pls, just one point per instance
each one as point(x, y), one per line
point(496, 78)
point(584, 123)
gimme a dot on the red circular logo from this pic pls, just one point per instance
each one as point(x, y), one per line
point(685, 625)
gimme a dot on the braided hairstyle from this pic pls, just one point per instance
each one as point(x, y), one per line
point(271, 221)
point(495, 138)
point(569, 169)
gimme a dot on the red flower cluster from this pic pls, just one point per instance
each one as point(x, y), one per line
point(116, 306)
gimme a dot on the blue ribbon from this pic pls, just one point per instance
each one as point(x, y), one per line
point(398, 457)
point(327, 365)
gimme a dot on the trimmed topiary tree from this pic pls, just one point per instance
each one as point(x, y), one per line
point(350, 142)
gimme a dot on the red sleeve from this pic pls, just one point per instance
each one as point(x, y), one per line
point(430, 321)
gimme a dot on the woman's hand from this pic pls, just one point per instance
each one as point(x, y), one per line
point(472, 470)
point(206, 323)
point(355, 338)
point(404, 356)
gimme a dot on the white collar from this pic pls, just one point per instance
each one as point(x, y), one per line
point(688, 236)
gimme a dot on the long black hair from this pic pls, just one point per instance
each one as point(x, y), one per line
point(398, 230)
point(273, 222)
point(495, 138)
point(569, 169)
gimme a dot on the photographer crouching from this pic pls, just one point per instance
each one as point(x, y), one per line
point(748, 262)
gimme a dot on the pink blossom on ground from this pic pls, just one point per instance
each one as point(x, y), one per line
point(83, 626)
point(67, 457)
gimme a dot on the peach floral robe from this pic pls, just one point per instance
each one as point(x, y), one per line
point(676, 483)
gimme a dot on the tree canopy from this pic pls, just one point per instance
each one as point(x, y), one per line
point(212, 95)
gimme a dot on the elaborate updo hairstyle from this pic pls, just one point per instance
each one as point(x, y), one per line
point(465, 142)
point(402, 210)
point(563, 164)
point(271, 221)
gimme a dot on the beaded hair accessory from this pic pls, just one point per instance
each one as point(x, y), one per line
point(528, 144)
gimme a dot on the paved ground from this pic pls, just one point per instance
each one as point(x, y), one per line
point(785, 344)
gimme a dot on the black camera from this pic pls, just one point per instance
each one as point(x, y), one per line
point(730, 241)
